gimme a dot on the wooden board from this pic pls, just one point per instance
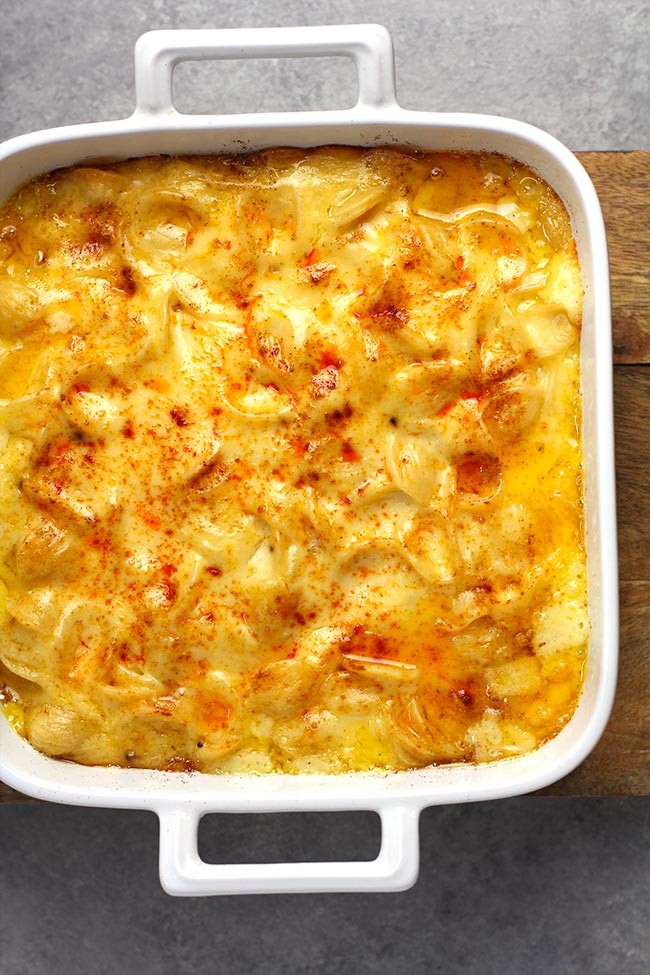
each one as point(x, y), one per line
point(620, 763)
point(622, 180)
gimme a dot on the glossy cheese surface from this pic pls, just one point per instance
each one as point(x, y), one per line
point(291, 461)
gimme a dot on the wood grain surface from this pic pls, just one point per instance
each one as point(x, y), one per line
point(620, 763)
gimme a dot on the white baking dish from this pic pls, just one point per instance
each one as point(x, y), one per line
point(181, 800)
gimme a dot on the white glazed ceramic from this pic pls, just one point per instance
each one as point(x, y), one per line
point(181, 800)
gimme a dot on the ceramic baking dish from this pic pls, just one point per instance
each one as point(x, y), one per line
point(180, 800)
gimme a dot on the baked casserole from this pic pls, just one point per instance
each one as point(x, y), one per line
point(291, 461)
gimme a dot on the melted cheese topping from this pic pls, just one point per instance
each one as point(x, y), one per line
point(291, 461)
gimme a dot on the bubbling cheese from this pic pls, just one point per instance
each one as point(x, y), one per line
point(291, 461)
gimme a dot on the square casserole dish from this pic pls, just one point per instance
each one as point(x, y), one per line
point(180, 800)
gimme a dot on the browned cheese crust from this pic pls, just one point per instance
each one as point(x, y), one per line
point(291, 461)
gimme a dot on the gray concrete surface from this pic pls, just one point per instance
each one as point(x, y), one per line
point(579, 69)
point(535, 886)
point(526, 886)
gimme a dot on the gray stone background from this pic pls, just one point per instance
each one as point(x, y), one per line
point(530, 885)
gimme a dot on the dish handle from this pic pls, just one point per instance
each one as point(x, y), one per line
point(369, 45)
point(184, 874)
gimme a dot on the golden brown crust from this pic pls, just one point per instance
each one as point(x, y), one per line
point(292, 457)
